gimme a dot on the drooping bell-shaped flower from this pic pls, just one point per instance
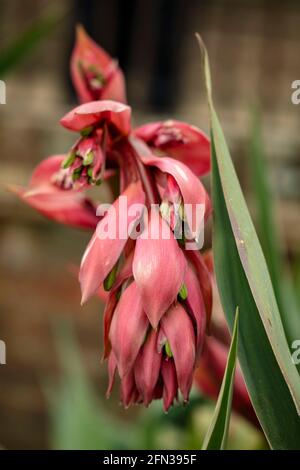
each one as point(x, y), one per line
point(154, 355)
point(109, 240)
point(171, 207)
point(170, 383)
point(178, 140)
point(158, 292)
point(196, 306)
point(158, 267)
point(128, 329)
point(95, 75)
point(97, 114)
point(180, 336)
point(151, 362)
point(194, 196)
point(148, 367)
point(50, 192)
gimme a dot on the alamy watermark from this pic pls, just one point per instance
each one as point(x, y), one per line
point(2, 352)
point(184, 222)
point(296, 353)
point(295, 96)
point(2, 92)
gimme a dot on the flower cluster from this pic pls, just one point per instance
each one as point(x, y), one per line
point(159, 293)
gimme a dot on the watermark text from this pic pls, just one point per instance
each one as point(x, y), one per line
point(2, 352)
point(296, 353)
point(2, 92)
point(295, 96)
point(184, 222)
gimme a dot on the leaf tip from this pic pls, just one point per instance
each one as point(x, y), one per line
point(206, 67)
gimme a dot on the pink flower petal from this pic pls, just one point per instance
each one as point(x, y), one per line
point(158, 268)
point(180, 334)
point(110, 307)
point(129, 392)
point(44, 171)
point(147, 367)
point(112, 301)
point(68, 207)
point(204, 277)
point(88, 57)
point(89, 114)
point(102, 253)
point(112, 367)
point(170, 383)
point(196, 306)
point(191, 188)
point(178, 140)
point(128, 329)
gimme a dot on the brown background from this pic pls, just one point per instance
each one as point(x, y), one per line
point(254, 50)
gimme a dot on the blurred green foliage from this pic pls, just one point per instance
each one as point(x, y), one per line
point(23, 44)
point(217, 435)
point(285, 278)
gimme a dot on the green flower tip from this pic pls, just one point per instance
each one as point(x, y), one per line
point(168, 349)
point(110, 278)
point(69, 160)
point(88, 159)
point(86, 131)
point(183, 293)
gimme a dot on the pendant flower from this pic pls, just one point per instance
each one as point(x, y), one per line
point(144, 251)
point(100, 124)
point(95, 75)
point(153, 361)
point(178, 140)
point(49, 193)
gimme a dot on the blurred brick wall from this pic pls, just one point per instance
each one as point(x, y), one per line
point(254, 51)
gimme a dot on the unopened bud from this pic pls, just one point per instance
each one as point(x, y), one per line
point(69, 160)
point(168, 349)
point(77, 173)
point(90, 172)
point(110, 278)
point(183, 293)
point(88, 159)
point(86, 131)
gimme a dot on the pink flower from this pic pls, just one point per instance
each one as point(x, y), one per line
point(151, 363)
point(203, 274)
point(158, 268)
point(102, 254)
point(193, 193)
point(179, 333)
point(49, 193)
point(147, 367)
point(96, 76)
point(158, 301)
point(196, 306)
point(100, 124)
point(128, 329)
point(116, 116)
point(178, 140)
point(155, 354)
